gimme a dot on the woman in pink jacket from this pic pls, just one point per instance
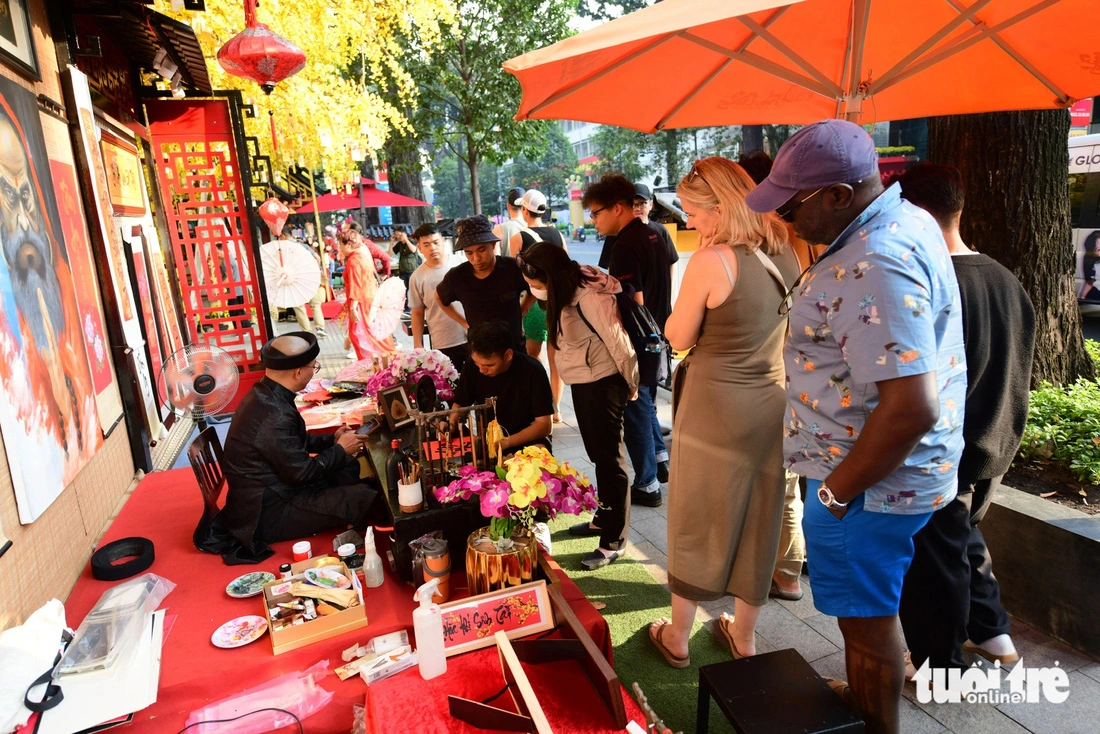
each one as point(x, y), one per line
point(596, 359)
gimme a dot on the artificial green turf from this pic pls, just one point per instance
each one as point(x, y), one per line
point(634, 600)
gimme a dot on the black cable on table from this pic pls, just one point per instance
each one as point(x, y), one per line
point(301, 729)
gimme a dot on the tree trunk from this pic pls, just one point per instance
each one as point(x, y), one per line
point(404, 170)
point(475, 182)
point(752, 138)
point(1015, 166)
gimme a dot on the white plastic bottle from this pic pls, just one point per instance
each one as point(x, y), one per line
point(428, 628)
point(372, 563)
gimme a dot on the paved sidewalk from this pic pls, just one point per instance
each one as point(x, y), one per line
point(786, 624)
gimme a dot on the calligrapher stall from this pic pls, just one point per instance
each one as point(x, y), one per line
point(194, 672)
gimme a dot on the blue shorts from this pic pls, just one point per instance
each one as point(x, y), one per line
point(857, 563)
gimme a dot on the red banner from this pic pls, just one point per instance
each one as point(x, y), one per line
point(1080, 114)
point(480, 620)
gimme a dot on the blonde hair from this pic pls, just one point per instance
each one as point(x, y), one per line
point(719, 181)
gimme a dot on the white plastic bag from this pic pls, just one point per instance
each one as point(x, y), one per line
point(26, 652)
point(296, 692)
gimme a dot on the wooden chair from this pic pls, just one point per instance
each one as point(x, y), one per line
point(205, 454)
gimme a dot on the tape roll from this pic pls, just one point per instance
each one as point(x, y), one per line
point(104, 560)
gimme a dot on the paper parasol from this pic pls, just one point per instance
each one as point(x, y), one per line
point(290, 273)
point(386, 308)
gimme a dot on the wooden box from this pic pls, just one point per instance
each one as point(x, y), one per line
point(322, 628)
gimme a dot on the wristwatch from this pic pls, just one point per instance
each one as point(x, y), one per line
point(825, 495)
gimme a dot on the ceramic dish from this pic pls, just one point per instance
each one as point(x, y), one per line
point(239, 631)
point(248, 585)
point(328, 578)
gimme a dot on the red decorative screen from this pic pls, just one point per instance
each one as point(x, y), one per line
point(203, 196)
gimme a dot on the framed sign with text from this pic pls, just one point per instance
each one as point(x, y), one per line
point(469, 624)
point(123, 168)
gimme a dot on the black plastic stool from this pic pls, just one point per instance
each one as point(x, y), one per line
point(774, 693)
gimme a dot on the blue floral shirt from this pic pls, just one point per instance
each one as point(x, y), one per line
point(882, 302)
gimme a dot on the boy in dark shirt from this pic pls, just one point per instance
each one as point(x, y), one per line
point(488, 286)
point(518, 382)
point(949, 593)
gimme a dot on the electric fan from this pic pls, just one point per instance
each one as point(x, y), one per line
point(198, 380)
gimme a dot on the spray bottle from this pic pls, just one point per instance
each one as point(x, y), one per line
point(372, 563)
point(428, 628)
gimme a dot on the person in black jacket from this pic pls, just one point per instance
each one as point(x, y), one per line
point(950, 600)
point(283, 482)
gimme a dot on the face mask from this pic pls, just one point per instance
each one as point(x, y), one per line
point(539, 293)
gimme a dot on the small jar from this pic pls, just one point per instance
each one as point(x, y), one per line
point(284, 570)
point(302, 550)
point(351, 559)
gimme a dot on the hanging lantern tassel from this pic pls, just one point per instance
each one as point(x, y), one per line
point(274, 141)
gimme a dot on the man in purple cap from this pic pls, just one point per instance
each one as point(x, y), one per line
point(876, 383)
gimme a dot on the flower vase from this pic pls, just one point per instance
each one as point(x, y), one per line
point(488, 568)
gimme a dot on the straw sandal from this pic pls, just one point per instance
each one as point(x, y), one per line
point(656, 629)
point(725, 624)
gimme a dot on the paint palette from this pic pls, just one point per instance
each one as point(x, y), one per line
point(249, 584)
point(239, 632)
point(327, 578)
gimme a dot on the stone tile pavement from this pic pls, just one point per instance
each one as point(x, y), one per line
point(785, 624)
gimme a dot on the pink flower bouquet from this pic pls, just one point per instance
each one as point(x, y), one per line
point(406, 368)
point(529, 481)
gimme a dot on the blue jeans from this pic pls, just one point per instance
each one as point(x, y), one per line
point(644, 442)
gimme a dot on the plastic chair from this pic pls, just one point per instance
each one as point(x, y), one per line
point(205, 454)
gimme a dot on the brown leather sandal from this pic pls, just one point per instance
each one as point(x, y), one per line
point(674, 660)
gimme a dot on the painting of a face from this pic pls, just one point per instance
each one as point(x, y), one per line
point(26, 247)
point(47, 402)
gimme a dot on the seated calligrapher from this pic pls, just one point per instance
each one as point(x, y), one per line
point(525, 405)
point(283, 482)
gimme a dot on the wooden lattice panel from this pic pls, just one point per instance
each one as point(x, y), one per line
point(203, 195)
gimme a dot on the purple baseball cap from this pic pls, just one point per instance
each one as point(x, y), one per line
point(824, 153)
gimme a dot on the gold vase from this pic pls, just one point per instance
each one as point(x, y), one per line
point(491, 569)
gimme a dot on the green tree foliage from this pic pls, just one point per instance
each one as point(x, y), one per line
point(464, 100)
point(621, 149)
point(550, 172)
point(609, 9)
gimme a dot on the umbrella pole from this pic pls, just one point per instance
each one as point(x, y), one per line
point(317, 224)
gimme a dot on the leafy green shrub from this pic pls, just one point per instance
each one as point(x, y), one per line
point(896, 150)
point(1063, 424)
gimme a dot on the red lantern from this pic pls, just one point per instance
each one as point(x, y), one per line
point(258, 54)
point(274, 212)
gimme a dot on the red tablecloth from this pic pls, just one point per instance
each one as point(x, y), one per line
point(165, 507)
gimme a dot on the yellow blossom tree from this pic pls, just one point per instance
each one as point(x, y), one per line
point(323, 115)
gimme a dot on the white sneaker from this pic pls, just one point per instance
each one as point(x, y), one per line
point(542, 537)
point(352, 355)
point(999, 648)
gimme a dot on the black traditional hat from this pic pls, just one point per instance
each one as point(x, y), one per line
point(273, 359)
point(477, 230)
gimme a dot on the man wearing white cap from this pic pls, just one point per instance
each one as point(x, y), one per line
point(532, 209)
point(514, 223)
point(876, 383)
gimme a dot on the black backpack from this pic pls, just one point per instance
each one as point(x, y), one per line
point(653, 350)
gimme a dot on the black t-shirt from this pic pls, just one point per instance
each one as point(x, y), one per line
point(548, 234)
point(641, 258)
point(522, 393)
point(605, 253)
point(493, 298)
point(670, 249)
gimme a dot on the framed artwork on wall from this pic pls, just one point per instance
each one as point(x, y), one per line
point(16, 40)
point(123, 168)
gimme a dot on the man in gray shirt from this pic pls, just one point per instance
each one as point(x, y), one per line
point(447, 335)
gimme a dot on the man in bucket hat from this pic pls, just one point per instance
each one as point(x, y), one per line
point(876, 382)
point(488, 286)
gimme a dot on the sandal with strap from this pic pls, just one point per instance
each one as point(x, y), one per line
point(725, 625)
point(656, 630)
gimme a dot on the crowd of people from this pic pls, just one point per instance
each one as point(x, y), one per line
point(841, 337)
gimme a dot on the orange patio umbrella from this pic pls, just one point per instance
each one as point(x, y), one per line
point(723, 62)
